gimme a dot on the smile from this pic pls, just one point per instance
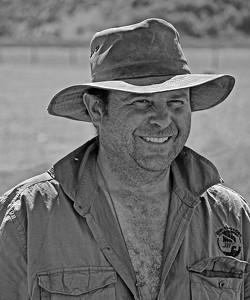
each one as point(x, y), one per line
point(155, 140)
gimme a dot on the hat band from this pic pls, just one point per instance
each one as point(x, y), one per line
point(139, 70)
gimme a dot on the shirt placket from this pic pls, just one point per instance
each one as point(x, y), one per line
point(103, 226)
point(174, 234)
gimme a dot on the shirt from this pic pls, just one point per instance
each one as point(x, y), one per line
point(59, 238)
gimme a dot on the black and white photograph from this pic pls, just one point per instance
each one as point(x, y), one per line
point(124, 150)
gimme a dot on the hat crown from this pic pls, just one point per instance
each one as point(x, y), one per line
point(141, 58)
point(149, 48)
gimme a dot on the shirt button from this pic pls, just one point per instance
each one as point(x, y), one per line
point(222, 284)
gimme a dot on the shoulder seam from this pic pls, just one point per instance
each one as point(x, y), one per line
point(234, 192)
point(25, 187)
point(45, 177)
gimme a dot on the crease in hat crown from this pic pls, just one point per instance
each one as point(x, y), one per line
point(149, 48)
point(145, 57)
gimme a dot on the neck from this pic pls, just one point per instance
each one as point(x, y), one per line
point(129, 176)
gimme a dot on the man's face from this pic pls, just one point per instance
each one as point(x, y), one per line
point(150, 129)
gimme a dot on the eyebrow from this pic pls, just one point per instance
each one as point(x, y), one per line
point(147, 95)
point(133, 95)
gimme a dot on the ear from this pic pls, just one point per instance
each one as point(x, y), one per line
point(94, 109)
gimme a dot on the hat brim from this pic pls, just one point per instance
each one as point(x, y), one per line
point(207, 90)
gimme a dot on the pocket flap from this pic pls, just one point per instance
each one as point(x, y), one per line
point(76, 281)
point(226, 264)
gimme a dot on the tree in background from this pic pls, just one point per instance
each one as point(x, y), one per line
point(60, 20)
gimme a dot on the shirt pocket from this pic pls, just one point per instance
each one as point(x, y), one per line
point(90, 283)
point(220, 277)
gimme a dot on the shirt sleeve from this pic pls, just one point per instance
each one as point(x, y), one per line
point(13, 255)
point(246, 238)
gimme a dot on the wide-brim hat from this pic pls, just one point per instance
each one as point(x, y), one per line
point(141, 58)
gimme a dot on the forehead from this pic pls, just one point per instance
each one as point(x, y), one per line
point(126, 96)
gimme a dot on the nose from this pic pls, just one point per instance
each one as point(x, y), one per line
point(161, 118)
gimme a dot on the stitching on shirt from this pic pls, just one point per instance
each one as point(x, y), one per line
point(20, 229)
point(214, 180)
point(11, 213)
point(235, 193)
point(217, 287)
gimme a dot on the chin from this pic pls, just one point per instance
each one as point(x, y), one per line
point(153, 165)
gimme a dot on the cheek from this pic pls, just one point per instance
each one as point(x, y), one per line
point(125, 117)
point(185, 123)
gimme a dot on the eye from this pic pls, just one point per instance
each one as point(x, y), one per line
point(176, 102)
point(141, 102)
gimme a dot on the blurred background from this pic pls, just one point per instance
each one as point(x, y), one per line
point(44, 48)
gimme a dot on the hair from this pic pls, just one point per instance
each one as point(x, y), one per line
point(102, 95)
point(191, 94)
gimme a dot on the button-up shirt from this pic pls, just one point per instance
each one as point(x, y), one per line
point(59, 238)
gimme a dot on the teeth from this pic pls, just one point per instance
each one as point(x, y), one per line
point(155, 140)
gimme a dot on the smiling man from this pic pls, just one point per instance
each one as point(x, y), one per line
point(133, 213)
point(138, 140)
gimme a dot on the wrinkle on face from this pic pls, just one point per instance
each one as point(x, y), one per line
point(130, 158)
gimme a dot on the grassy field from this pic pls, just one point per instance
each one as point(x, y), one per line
point(31, 140)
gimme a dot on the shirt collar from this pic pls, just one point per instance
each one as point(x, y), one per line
point(192, 174)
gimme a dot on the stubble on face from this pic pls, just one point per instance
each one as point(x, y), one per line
point(159, 158)
point(133, 160)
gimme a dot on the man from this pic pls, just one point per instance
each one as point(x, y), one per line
point(133, 213)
